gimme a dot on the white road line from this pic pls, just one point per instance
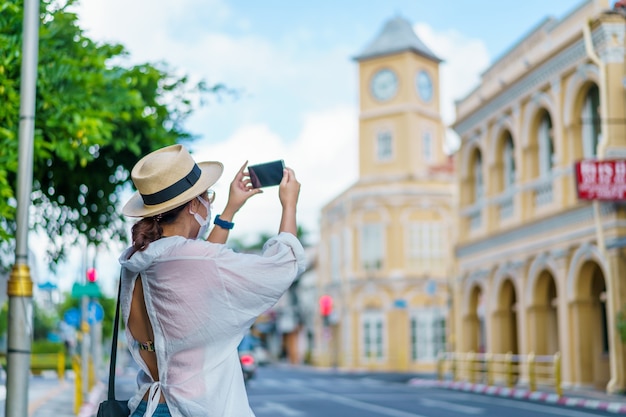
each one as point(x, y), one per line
point(311, 392)
point(457, 408)
point(273, 408)
point(367, 406)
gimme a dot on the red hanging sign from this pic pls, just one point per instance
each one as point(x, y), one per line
point(601, 180)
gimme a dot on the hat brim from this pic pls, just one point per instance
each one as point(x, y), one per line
point(211, 172)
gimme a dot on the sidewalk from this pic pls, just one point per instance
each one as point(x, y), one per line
point(588, 399)
point(59, 402)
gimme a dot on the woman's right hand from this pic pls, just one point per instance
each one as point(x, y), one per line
point(288, 192)
point(289, 189)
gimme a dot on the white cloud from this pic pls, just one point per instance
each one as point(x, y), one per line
point(187, 35)
point(324, 157)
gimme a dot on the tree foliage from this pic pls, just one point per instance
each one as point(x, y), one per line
point(94, 119)
point(257, 244)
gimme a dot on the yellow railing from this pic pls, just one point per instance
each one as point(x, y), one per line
point(78, 383)
point(57, 362)
point(78, 379)
point(502, 369)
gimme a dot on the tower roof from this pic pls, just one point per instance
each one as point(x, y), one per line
point(396, 36)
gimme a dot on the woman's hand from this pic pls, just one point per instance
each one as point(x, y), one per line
point(289, 189)
point(288, 192)
point(240, 191)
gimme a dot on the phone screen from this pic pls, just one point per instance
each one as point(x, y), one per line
point(267, 174)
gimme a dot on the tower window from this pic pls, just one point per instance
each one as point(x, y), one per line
point(427, 147)
point(384, 146)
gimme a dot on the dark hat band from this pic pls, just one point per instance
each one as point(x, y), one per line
point(173, 190)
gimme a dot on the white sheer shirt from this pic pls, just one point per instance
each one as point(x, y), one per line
point(201, 299)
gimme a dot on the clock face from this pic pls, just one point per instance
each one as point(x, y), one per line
point(424, 85)
point(384, 85)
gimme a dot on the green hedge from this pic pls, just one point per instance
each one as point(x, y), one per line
point(45, 346)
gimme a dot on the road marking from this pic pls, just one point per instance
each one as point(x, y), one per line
point(458, 408)
point(273, 408)
point(392, 412)
point(261, 398)
point(308, 391)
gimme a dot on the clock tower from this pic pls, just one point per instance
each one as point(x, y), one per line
point(401, 133)
point(385, 252)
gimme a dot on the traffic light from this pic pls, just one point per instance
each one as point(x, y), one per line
point(91, 275)
point(326, 306)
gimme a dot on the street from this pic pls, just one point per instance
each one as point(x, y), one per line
point(284, 391)
point(281, 390)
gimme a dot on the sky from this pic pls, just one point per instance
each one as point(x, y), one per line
point(293, 63)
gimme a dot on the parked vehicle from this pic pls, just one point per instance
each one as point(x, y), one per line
point(261, 355)
point(247, 358)
point(248, 365)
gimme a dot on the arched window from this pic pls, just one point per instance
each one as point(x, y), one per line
point(546, 146)
point(479, 187)
point(508, 160)
point(590, 120)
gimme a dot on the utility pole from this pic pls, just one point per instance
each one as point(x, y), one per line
point(20, 285)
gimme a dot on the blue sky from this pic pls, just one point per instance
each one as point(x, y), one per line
point(293, 60)
point(303, 49)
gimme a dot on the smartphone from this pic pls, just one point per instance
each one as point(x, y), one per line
point(267, 174)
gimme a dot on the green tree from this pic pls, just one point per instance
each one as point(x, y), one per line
point(94, 119)
point(257, 244)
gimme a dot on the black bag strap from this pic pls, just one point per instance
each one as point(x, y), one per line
point(111, 395)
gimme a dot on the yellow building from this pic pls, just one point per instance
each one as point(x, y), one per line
point(385, 242)
point(538, 269)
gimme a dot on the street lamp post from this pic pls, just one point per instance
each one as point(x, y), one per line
point(20, 285)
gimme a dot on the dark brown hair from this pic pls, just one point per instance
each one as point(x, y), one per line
point(149, 229)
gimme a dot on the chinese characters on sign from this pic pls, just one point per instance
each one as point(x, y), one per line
point(601, 180)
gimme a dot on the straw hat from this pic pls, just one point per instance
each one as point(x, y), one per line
point(168, 178)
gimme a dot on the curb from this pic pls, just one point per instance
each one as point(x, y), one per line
point(89, 408)
point(524, 394)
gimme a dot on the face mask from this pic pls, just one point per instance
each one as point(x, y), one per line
point(203, 222)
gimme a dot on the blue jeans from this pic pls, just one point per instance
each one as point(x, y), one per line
point(161, 410)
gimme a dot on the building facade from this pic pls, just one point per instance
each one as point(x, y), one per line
point(538, 269)
point(385, 242)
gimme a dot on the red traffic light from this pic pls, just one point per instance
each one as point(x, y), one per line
point(326, 305)
point(91, 275)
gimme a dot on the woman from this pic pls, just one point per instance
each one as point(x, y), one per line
point(187, 302)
